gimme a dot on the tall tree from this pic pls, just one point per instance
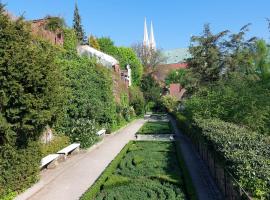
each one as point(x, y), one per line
point(150, 58)
point(77, 26)
point(205, 61)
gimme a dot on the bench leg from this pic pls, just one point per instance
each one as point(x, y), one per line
point(76, 151)
point(62, 158)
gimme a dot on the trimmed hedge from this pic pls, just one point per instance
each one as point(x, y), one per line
point(95, 188)
point(245, 154)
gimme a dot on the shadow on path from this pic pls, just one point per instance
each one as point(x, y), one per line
point(203, 182)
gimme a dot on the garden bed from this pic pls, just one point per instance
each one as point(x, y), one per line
point(142, 170)
point(151, 128)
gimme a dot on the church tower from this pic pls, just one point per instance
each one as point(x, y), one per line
point(152, 44)
point(145, 36)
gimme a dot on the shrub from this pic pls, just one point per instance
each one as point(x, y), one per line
point(59, 142)
point(169, 102)
point(136, 100)
point(31, 97)
point(19, 168)
point(84, 131)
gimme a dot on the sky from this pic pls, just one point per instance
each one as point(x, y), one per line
point(175, 21)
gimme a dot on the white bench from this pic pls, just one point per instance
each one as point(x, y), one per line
point(69, 149)
point(49, 159)
point(101, 132)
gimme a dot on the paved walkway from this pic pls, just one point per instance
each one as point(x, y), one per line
point(204, 184)
point(73, 177)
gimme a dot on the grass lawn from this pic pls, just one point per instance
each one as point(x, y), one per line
point(156, 128)
point(145, 170)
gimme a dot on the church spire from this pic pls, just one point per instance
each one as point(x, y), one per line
point(145, 36)
point(152, 38)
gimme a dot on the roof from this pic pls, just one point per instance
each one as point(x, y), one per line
point(161, 71)
point(176, 55)
point(102, 58)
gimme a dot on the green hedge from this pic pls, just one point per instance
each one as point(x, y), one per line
point(95, 188)
point(245, 154)
point(19, 168)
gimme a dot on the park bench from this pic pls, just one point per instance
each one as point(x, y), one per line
point(73, 148)
point(101, 132)
point(50, 161)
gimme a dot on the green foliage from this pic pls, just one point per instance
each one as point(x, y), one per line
point(214, 56)
point(177, 76)
point(170, 103)
point(70, 43)
point(19, 168)
point(107, 45)
point(54, 23)
point(136, 100)
point(125, 56)
point(156, 128)
point(143, 170)
point(30, 83)
point(31, 97)
point(91, 96)
point(262, 61)
point(84, 131)
point(77, 26)
point(238, 100)
point(59, 142)
point(92, 41)
point(205, 55)
point(245, 154)
point(150, 88)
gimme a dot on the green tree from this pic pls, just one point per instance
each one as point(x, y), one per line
point(205, 61)
point(127, 56)
point(107, 45)
point(92, 41)
point(238, 54)
point(262, 62)
point(150, 88)
point(177, 76)
point(77, 26)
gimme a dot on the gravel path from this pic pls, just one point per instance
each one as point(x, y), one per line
point(73, 177)
point(203, 182)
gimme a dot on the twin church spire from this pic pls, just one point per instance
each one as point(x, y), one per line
point(149, 43)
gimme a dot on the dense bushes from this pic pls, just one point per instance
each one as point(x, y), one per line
point(238, 100)
point(91, 101)
point(136, 100)
point(19, 168)
point(30, 98)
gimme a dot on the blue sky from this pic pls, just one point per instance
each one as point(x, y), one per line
point(174, 20)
